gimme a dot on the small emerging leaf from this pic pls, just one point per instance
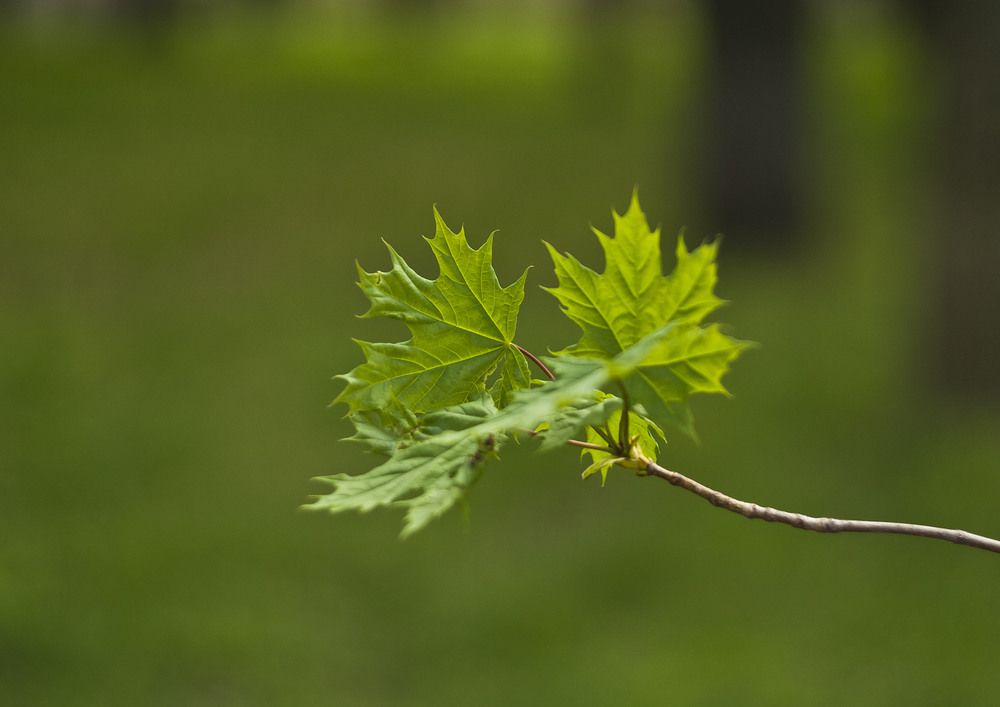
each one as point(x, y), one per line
point(646, 434)
point(601, 465)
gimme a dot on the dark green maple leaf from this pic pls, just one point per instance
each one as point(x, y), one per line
point(380, 435)
point(632, 298)
point(435, 458)
point(462, 326)
point(429, 470)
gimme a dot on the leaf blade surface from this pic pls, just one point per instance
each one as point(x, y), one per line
point(462, 327)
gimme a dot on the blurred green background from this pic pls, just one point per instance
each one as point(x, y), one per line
point(184, 190)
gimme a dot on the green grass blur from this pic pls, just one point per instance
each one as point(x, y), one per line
point(179, 223)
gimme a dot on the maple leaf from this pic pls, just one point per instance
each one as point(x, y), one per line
point(461, 324)
point(575, 415)
point(439, 405)
point(436, 457)
point(574, 399)
point(631, 298)
point(382, 437)
point(427, 474)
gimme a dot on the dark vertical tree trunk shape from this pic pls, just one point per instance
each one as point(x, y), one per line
point(964, 350)
point(752, 188)
point(146, 13)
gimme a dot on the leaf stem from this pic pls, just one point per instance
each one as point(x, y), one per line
point(819, 525)
point(623, 426)
point(590, 445)
point(605, 434)
point(535, 360)
point(574, 442)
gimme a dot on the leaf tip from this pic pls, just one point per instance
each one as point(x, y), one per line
point(633, 204)
point(441, 228)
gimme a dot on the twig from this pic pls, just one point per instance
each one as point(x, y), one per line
point(820, 525)
point(574, 442)
point(536, 361)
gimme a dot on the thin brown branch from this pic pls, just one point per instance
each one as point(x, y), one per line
point(536, 361)
point(819, 525)
point(574, 442)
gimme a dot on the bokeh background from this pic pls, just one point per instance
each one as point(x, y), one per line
point(184, 189)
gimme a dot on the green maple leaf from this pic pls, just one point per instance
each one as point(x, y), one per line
point(379, 435)
point(576, 398)
point(428, 473)
point(436, 457)
point(439, 405)
point(632, 298)
point(462, 326)
point(576, 415)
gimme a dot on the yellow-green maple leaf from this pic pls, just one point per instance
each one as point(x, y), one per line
point(632, 298)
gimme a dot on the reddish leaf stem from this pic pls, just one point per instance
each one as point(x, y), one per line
point(536, 361)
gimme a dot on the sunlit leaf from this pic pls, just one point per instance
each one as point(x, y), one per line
point(631, 298)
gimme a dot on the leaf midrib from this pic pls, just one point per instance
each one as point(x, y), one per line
point(482, 305)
